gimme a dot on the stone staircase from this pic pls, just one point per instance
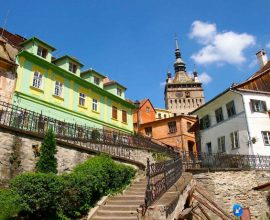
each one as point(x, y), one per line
point(123, 206)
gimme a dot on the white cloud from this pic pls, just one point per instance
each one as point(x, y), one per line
point(253, 63)
point(205, 78)
point(268, 45)
point(225, 47)
point(203, 31)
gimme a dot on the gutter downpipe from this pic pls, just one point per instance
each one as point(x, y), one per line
point(248, 128)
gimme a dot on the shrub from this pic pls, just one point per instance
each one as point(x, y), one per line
point(47, 161)
point(10, 204)
point(40, 192)
point(95, 135)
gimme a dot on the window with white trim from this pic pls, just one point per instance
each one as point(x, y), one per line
point(258, 105)
point(94, 105)
point(58, 89)
point(234, 140)
point(42, 52)
point(37, 80)
point(230, 109)
point(82, 99)
point(266, 137)
point(72, 67)
point(221, 144)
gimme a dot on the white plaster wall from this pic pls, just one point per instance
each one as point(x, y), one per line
point(257, 122)
point(228, 125)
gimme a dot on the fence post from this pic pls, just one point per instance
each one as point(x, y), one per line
point(148, 188)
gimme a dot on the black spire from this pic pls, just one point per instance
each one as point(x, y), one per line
point(179, 64)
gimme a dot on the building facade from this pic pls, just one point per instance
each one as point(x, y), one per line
point(163, 113)
point(173, 131)
point(182, 93)
point(9, 47)
point(58, 88)
point(237, 120)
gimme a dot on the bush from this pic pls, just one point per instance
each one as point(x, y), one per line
point(70, 195)
point(47, 161)
point(95, 135)
point(40, 192)
point(10, 204)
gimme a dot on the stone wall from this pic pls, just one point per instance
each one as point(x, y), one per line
point(228, 188)
point(19, 153)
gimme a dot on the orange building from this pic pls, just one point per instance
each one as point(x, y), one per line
point(145, 112)
point(172, 131)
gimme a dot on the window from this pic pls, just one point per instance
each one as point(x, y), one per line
point(72, 67)
point(258, 105)
point(221, 144)
point(119, 92)
point(266, 137)
point(124, 116)
point(147, 109)
point(205, 122)
point(188, 126)
point(148, 131)
point(58, 89)
point(165, 116)
point(209, 148)
point(82, 99)
point(37, 80)
point(187, 94)
point(94, 105)
point(219, 115)
point(234, 140)
point(172, 127)
point(230, 109)
point(42, 52)
point(96, 80)
point(159, 115)
point(114, 112)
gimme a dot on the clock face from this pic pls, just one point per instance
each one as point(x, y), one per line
point(179, 94)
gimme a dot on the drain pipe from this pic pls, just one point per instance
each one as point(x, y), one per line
point(248, 128)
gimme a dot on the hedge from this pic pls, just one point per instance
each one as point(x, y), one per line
point(70, 195)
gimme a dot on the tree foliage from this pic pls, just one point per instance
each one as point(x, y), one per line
point(47, 162)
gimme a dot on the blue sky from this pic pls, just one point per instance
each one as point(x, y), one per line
point(133, 41)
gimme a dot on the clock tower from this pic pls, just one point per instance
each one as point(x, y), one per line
point(183, 93)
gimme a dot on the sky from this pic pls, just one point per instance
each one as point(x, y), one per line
point(133, 41)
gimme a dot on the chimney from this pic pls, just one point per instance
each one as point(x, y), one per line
point(261, 57)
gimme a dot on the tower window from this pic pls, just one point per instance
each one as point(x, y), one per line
point(96, 80)
point(72, 67)
point(42, 52)
point(119, 92)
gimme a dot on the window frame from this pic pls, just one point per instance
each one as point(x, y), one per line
point(258, 105)
point(230, 109)
point(95, 104)
point(82, 98)
point(114, 112)
point(96, 80)
point(219, 115)
point(172, 127)
point(119, 92)
point(58, 87)
point(37, 80)
point(267, 136)
point(42, 52)
point(147, 109)
point(221, 144)
point(148, 131)
point(234, 136)
point(124, 116)
point(72, 67)
point(205, 122)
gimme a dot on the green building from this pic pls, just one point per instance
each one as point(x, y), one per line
point(58, 88)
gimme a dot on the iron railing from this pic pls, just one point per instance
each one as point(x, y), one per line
point(111, 141)
point(160, 177)
point(217, 161)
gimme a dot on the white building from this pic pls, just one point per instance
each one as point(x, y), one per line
point(237, 120)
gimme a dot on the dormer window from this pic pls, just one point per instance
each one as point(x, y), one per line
point(96, 80)
point(42, 52)
point(72, 67)
point(119, 92)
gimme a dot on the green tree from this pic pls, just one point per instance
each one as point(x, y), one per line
point(47, 162)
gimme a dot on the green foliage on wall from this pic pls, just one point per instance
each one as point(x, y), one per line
point(47, 162)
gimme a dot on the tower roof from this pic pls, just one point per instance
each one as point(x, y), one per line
point(179, 64)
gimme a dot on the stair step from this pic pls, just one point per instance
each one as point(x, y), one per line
point(114, 207)
point(112, 213)
point(115, 218)
point(128, 197)
point(125, 202)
